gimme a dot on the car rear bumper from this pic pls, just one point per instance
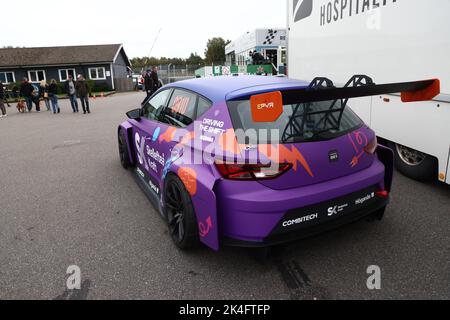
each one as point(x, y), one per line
point(257, 216)
point(325, 223)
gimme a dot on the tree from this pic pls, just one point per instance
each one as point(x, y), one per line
point(194, 60)
point(215, 51)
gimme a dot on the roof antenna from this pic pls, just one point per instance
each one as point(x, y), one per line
point(151, 50)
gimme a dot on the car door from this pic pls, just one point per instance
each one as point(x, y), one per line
point(146, 132)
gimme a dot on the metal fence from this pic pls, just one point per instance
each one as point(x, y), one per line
point(173, 73)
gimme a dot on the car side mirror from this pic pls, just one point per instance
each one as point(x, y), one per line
point(134, 114)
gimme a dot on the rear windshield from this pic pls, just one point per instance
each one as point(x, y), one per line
point(303, 122)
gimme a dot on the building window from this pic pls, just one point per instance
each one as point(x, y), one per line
point(36, 75)
point(65, 73)
point(7, 77)
point(97, 73)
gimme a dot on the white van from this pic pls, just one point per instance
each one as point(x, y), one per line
point(390, 41)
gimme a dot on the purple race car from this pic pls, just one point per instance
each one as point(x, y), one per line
point(258, 161)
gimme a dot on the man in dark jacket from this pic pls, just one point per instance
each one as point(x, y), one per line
point(82, 89)
point(69, 87)
point(148, 83)
point(155, 80)
point(26, 91)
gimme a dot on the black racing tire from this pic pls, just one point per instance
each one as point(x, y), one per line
point(180, 214)
point(414, 164)
point(123, 151)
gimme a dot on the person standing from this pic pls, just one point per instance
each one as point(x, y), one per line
point(26, 91)
point(69, 87)
point(2, 98)
point(36, 97)
point(148, 85)
point(43, 93)
point(53, 95)
point(82, 88)
point(155, 80)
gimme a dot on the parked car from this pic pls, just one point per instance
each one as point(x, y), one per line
point(138, 82)
point(214, 185)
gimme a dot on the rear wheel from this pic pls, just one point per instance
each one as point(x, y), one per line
point(414, 164)
point(123, 151)
point(180, 214)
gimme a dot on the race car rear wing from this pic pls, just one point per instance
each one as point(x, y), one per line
point(322, 89)
point(268, 107)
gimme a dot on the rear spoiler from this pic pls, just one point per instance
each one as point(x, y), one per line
point(268, 107)
point(322, 89)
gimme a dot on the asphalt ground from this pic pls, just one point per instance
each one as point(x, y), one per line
point(65, 200)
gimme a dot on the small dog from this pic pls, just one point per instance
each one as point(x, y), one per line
point(21, 106)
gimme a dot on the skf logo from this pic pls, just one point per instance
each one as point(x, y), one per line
point(269, 105)
point(302, 9)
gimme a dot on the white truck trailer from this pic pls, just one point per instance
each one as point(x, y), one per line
point(390, 41)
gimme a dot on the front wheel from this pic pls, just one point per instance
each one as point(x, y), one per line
point(414, 164)
point(180, 214)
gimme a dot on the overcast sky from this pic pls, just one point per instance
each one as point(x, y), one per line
point(185, 25)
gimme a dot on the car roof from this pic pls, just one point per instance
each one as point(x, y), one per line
point(221, 88)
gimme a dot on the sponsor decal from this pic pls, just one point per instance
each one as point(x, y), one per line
point(205, 227)
point(140, 145)
point(266, 107)
point(153, 187)
point(180, 105)
point(168, 135)
point(284, 154)
point(302, 9)
point(334, 11)
point(139, 171)
point(301, 220)
point(359, 141)
point(338, 10)
point(207, 139)
point(155, 155)
point(156, 134)
point(361, 201)
point(333, 156)
point(167, 165)
point(332, 211)
point(189, 178)
point(211, 126)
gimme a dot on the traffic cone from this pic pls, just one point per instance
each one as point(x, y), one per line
point(94, 96)
point(102, 95)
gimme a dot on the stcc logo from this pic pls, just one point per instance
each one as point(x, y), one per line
point(302, 9)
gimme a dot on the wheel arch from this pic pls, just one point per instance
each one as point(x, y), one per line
point(199, 182)
point(128, 129)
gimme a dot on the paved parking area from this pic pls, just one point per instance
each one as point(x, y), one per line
point(65, 200)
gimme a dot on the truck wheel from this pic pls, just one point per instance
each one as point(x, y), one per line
point(123, 151)
point(415, 164)
point(180, 214)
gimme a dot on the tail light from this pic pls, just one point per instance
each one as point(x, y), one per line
point(235, 171)
point(371, 146)
point(383, 194)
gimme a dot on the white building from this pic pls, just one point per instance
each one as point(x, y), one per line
point(271, 43)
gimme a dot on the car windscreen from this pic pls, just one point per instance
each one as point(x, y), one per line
point(304, 122)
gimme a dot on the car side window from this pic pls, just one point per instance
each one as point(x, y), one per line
point(154, 107)
point(181, 110)
point(202, 106)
